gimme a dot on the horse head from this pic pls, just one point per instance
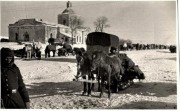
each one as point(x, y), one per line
point(97, 59)
point(83, 64)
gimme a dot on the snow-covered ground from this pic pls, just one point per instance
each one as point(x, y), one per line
point(50, 86)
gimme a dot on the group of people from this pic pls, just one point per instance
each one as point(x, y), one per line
point(33, 50)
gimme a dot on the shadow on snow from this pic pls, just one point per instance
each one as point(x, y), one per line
point(147, 105)
point(53, 59)
point(158, 89)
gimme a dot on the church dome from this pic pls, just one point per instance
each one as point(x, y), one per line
point(68, 10)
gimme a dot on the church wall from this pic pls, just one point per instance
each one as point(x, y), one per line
point(36, 33)
point(40, 34)
point(12, 33)
point(26, 29)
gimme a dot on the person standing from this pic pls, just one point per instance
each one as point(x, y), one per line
point(125, 46)
point(38, 50)
point(28, 50)
point(13, 91)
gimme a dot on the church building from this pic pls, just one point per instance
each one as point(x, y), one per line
point(28, 30)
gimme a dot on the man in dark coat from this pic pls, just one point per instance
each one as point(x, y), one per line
point(130, 69)
point(13, 91)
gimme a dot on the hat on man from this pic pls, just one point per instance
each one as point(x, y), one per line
point(6, 52)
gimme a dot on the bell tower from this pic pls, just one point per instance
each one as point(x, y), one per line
point(64, 17)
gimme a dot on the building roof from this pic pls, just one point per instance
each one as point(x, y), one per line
point(68, 11)
point(34, 21)
point(66, 34)
point(50, 23)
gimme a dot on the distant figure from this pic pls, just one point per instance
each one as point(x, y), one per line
point(13, 91)
point(38, 50)
point(34, 47)
point(172, 48)
point(112, 51)
point(137, 46)
point(28, 50)
point(125, 46)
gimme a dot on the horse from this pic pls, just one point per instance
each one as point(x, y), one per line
point(108, 68)
point(48, 49)
point(84, 71)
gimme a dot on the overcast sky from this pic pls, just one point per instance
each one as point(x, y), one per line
point(139, 21)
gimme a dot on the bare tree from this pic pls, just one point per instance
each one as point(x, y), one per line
point(75, 23)
point(101, 23)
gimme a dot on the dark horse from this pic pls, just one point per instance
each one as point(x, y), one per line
point(84, 70)
point(108, 68)
point(48, 49)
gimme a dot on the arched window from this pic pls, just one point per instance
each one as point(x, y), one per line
point(16, 36)
point(77, 39)
point(64, 22)
point(26, 36)
point(80, 39)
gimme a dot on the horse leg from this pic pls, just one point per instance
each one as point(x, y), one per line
point(54, 53)
point(89, 85)
point(109, 85)
point(48, 53)
point(45, 54)
point(85, 88)
point(92, 86)
point(89, 89)
point(99, 84)
point(102, 87)
point(30, 54)
point(115, 84)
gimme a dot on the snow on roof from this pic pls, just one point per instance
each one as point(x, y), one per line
point(50, 23)
point(4, 37)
